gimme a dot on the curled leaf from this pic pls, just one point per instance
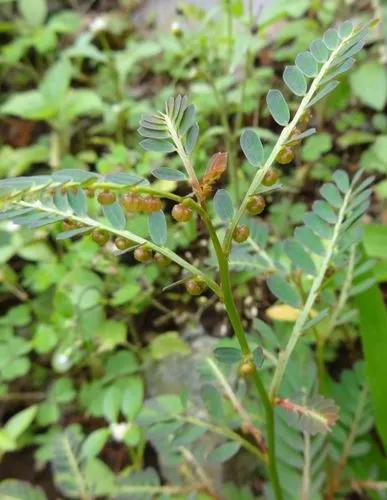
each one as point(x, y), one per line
point(215, 169)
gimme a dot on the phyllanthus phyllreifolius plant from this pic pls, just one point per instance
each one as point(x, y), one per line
point(326, 239)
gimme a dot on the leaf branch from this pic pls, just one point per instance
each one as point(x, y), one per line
point(282, 139)
point(87, 221)
point(283, 357)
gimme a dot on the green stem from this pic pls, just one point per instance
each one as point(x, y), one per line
point(236, 323)
point(305, 488)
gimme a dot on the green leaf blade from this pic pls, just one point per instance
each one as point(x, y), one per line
point(295, 80)
point(169, 174)
point(223, 205)
point(227, 355)
point(77, 201)
point(319, 51)
point(157, 225)
point(373, 321)
point(223, 452)
point(306, 63)
point(283, 291)
point(115, 215)
point(278, 107)
point(299, 257)
point(157, 146)
point(252, 147)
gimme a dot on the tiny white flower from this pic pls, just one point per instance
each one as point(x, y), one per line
point(119, 430)
point(98, 24)
point(176, 28)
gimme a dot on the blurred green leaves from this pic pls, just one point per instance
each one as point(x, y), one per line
point(370, 75)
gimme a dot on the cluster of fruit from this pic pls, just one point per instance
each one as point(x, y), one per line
point(255, 206)
point(131, 202)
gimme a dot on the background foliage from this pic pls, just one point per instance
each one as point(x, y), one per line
point(104, 391)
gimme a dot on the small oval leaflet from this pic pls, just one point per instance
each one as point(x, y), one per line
point(324, 211)
point(278, 107)
point(223, 205)
point(157, 146)
point(252, 147)
point(212, 401)
point(188, 119)
point(223, 452)
point(258, 357)
point(158, 227)
point(345, 29)
point(192, 137)
point(295, 80)
point(60, 200)
point(309, 240)
point(115, 215)
point(74, 174)
point(342, 180)
point(77, 200)
point(317, 225)
point(168, 174)
point(319, 50)
point(331, 39)
point(179, 115)
point(306, 63)
point(315, 320)
point(283, 291)
point(72, 232)
point(299, 257)
point(126, 179)
point(153, 134)
point(227, 355)
point(151, 124)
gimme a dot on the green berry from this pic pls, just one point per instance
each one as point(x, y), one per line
point(100, 236)
point(143, 254)
point(122, 243)
point(246, 368)
point(68, 225)
point(241, 233)
point(131, 202)
point(151, 204)
point(195, 286)
point(181, 213)
point(270, 178)
point(161, 260)
point(106, 198)
point(305, 119)
point(255, 204)
point(285, 156)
